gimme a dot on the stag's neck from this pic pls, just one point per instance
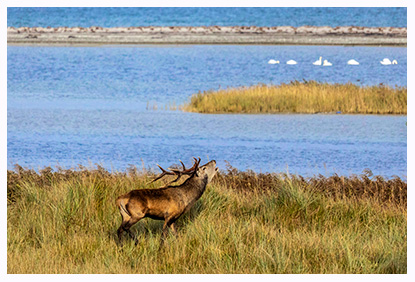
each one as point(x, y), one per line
point(195, 187)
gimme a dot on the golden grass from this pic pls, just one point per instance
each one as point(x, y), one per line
point(66, 222)
point(302, 97)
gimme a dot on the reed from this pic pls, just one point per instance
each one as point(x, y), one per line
point(65, 221)
point(302, 97)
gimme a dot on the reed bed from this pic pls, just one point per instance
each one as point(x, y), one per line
point(65, 221)
point(302, 97)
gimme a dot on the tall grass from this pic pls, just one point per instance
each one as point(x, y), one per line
point(302, 97)
point(66, 222)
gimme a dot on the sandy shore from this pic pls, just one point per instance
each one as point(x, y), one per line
point(278, 35)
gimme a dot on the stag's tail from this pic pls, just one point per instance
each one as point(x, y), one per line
point(121, 202)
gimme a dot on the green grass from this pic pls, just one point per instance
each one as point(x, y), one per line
point(302, 97)
point(66, 222)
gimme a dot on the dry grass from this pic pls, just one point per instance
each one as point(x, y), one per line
point(65, 221)
point(302, 97)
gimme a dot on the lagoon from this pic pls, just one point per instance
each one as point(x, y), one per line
point(86, 105)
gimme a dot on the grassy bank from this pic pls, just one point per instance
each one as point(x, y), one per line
point(66, 222)
point(302, 97)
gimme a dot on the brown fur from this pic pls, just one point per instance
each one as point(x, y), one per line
point(167, 203)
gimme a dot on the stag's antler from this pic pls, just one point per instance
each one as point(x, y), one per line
point(179, 173)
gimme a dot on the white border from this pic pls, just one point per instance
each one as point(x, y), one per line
point(198, 3)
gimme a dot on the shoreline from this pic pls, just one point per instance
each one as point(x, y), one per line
point(239, 35)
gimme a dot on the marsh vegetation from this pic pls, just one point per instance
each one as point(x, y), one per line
point(302, 97)
point(65, 221)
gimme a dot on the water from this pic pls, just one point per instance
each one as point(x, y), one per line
point(89, 105)
point(172, 73)
point(110, 17)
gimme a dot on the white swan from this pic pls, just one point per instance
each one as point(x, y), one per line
point(273, 62)
point(291, 62)
point(327, 63)
point(394, 62)
point(386, 61)
point(353, 62)
point(318, 62)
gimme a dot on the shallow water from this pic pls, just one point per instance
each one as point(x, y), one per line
point(306, 144)
point(73, 106)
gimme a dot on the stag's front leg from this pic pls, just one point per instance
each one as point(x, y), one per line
point(173, 228)
point(165, 230)
point(168, 223)
point(163, 235)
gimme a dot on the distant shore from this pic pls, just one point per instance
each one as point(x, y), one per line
point(278, 35)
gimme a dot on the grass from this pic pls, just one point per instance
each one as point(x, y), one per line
point(302, 97)
point(65, 221)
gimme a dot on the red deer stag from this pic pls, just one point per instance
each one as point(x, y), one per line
point(166, 203)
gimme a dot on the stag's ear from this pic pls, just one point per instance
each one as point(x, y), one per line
point(197, 172)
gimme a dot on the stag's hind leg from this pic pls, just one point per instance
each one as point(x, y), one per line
point(128, 220)
point(126, 225)
point(125, 217)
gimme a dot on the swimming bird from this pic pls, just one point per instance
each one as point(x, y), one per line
point(353, 62)
point(291, 62)
point(327, 63)
point(318, 62)
point(386, 61)
point(394, 62)
point(273, 62)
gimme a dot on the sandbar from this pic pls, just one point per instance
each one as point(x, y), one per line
point(251, 35)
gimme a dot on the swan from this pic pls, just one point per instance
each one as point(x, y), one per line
point(327, 63)
point(318, 62)
point(386, 61)
point(291, 62)
point(273, 62)
point(353, 62)
point(394, 62)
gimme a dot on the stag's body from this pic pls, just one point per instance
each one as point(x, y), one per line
point(167, 203)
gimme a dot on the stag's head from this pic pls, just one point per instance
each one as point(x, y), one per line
point(207, 171)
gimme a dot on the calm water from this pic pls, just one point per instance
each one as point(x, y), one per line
point(172, 73)
point(72, 106)
point(109, 17)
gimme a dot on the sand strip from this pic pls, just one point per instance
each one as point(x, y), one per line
point(279, 35)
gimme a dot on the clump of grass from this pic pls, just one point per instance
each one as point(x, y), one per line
point(65, 221)
point(302, 97)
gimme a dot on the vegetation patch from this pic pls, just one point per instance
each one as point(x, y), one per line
point(302, 97)
point(65, 221)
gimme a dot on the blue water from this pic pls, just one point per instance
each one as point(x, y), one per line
point(86, 105)
point(172, 73)
point(110, 17)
